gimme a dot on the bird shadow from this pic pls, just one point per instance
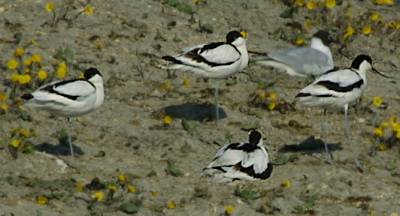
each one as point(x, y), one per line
point(61, 149)
point(310, 145)
point(195, 112)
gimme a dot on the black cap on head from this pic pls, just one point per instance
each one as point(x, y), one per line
point(360, 59)
point(90, 72)
point(254, 137)
point(232, 36)
point(325, 37)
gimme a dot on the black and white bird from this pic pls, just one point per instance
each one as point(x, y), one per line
point(216, 60)
point(303, 61)
point(338, 88)
point(241, 161)
point(69, 98)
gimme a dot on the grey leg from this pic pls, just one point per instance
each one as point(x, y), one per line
point(346, 122)
point(216, 100)
point(69, 137)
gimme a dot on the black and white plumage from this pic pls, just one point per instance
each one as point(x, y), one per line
point(213, 60)
point(241, 161)
point(69, 98)
point(338, 88)
point(216, 60)
point(303, 61)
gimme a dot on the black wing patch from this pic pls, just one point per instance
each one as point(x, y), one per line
point(301, 94)
point(336, 87)
point(246, 147)
point(250, 171)
point(52, 88)
point(211, 46)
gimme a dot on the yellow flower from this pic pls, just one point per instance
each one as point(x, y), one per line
point(88, 10)
point(186, 82)
point(3, 96)
point(12, 64)
point(42, 200)
point(16, 143)
point(4, 107)
point(79, 186)
point(167, 85)
point(299, 3)
point(286, 184)
point(15, 77)
point(19, 52)
point(299, 41)
point(330, 3)
point(98, 196)
point(308, 24)
point(349, 32)
point(311, 5)
point(375, 16)
point(398, 134)
point(24, 79)
point(28, 62)
point(131, 189)
point(379, 131)
point(382, 147)
point(367, 30)
point(272, 96)
point(377, 101)
point(36, 58)
point(42, 75)
point(384, 2)
point(62, 70)
point(122, 178)
point(167, 120)
point(154, 193)
point(271, 106)
point(24, 132)
point(49, 7)
point(112, 188)
point(229, 209)
point(171, 204)
point(393, 24)
point(27, 70)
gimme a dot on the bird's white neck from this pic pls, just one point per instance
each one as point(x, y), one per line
point(317, 44)
point(98, 83)
point(362, 70)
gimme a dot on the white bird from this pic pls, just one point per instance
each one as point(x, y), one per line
point(69, 98)
point(241, 161)
point(338, 88)
point(304, 61)
point(216, 60)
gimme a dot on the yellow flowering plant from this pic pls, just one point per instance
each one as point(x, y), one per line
point(387, 133)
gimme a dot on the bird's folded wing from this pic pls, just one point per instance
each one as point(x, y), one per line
point(220, 53)
point(298, 58)
point(258, 159)
point(228, 158)
point(341, 78)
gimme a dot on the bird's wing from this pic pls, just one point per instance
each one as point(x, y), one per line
point(301, 59)
point(71, 89)
point(227, 156)
point(213, 54)
point(258, 159)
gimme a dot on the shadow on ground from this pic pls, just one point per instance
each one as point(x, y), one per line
point(61, 149)
point(310, 145)
point(195, 112)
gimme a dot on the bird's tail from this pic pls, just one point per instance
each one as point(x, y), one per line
point(27, 96)
point(173, 63)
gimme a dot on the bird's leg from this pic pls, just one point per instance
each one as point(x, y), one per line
point(346, 122)
point(329, 156)
point(216, 100)
point(69, 137)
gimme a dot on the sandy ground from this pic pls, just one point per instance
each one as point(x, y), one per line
point(124, 40)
